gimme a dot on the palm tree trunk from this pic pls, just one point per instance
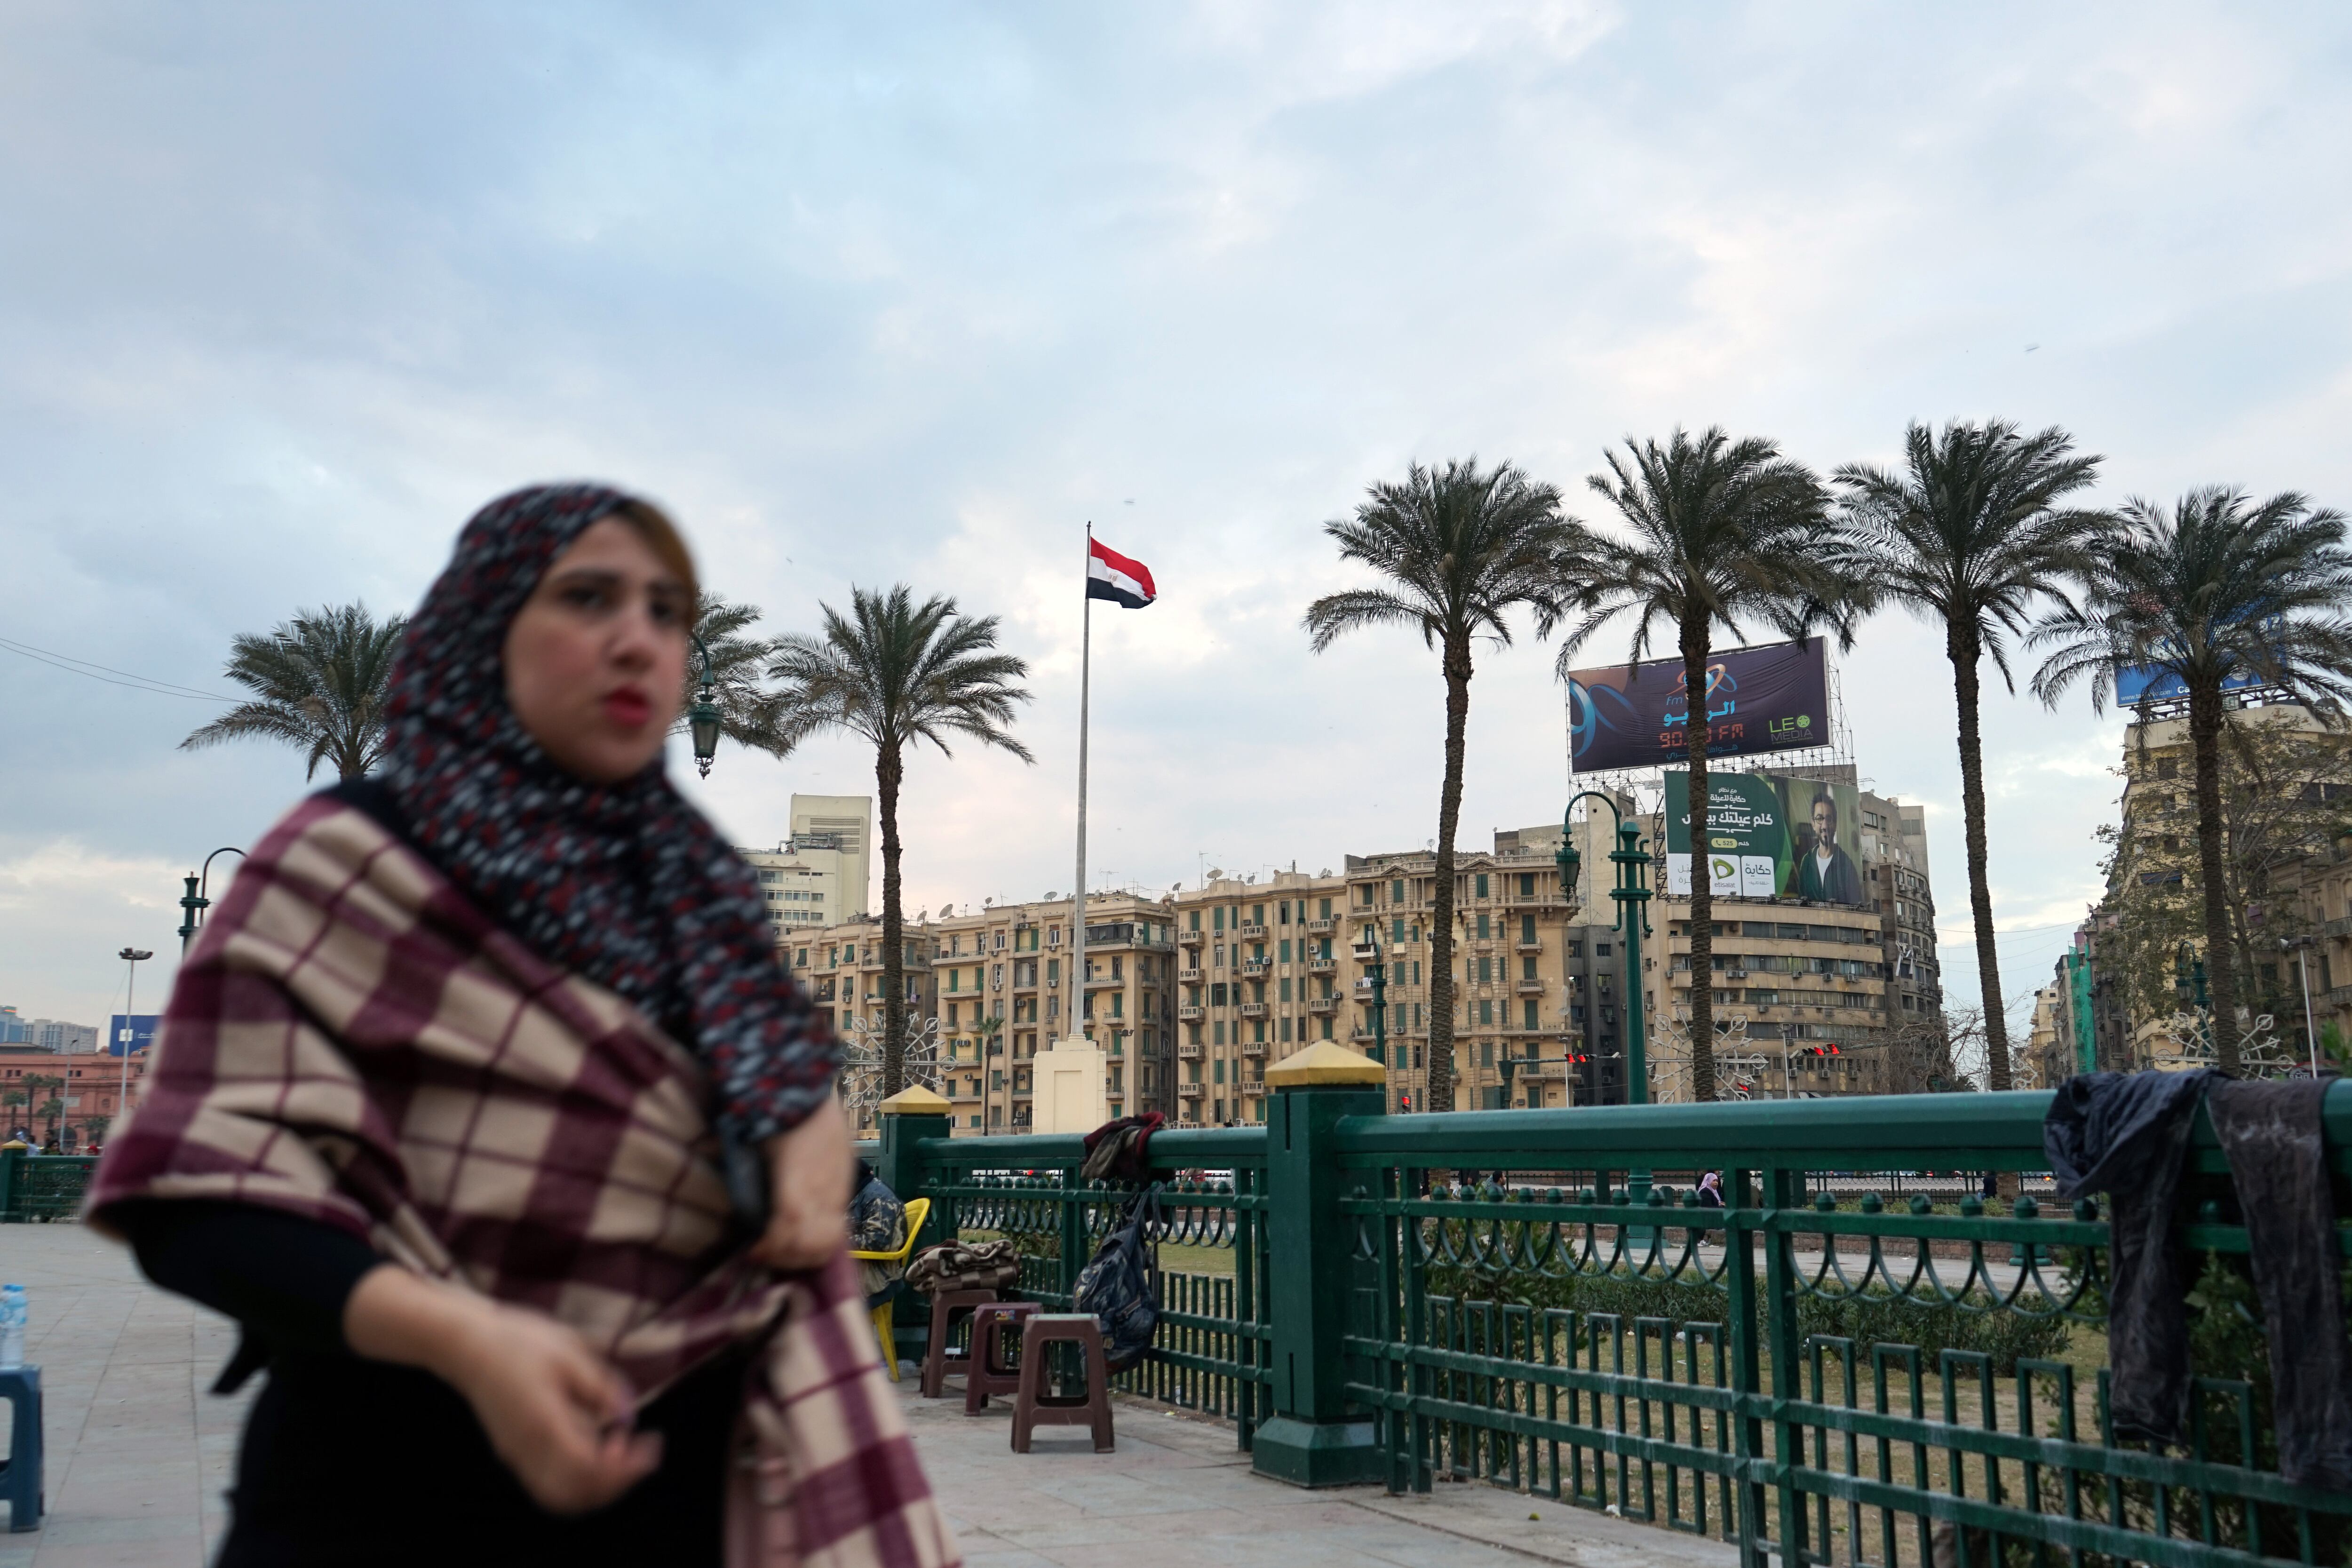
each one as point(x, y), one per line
point(2220, 977)
point(1440, 1093)
point(887, 771)
point(1961, 648)
point(1702, 904)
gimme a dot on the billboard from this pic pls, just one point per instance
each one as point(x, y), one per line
point(135, 1031)
point(1770, 836)
point(1769, 698)
point(2138, 683)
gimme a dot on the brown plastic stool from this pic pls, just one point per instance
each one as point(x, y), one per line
point(940, 1363)
point(1033, 1408)
point(995, 1331)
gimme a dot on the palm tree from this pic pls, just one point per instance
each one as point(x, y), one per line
point(1723, 532)
point(12, 1099)
point(1459, 549)
point(748, 712)
point(54, 1107)
point(1969, 534)
point(899, 673)
point(319, 683)
point(2217, 592)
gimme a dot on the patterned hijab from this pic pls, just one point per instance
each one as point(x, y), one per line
point(623, 883)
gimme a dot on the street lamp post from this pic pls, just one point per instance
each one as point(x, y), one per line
point(703, 717)
point(1632, 896)
point(1378, 973)
point(198, 900)
point(134, 956)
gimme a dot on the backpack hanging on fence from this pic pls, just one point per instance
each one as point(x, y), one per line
point(1121, 1286)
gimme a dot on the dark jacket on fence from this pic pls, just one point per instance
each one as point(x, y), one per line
point(2127, 1135)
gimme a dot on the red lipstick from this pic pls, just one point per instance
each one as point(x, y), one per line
point(627, 707)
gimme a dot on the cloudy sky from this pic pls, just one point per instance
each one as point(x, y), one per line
point(911, 293)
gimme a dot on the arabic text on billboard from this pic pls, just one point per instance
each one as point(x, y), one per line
point(1770, 698)
point(1768, 836)
point(131, 1032)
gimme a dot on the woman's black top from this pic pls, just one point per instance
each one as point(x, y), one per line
point(351, 1461)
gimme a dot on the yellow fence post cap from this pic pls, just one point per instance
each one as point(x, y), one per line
point(1326, 1062)
point(914, 1101)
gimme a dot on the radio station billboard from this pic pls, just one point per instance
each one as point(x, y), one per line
point(1768, 836)
point(1769, 698)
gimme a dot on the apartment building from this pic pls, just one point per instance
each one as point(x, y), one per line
point(990, 987)
point(1263, 970)
point(819, 875)
point(1527, 993)
point(1810, 995)
point(46, 1034)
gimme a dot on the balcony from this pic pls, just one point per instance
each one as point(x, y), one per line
point(1523, 946)
point(1192, 938)
point(1322, 965)
point(1254, 1088)
point(1527, 987)
point(1257, 965)
point(1365, 952)
point(1188, 977)
point(1323, 926)
point(1253, 1049)
point(1188, 1014)
point(1190, 1091)
point(1249, 934)
point(1322, 1003)
point(1190, 1050)
point(1253, 1009)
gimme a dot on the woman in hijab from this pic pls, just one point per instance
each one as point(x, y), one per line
point(443, 1113)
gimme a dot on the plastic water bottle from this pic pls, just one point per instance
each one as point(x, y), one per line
point(13, 1314)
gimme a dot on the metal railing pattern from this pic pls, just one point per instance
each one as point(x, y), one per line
point(1211, 1351)
point(1610, 1344)
point(35, 1187)
point(1843, 1366)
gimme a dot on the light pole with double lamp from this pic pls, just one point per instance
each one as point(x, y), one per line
point(134, 957)
point(198, 898)
point(1631, 895)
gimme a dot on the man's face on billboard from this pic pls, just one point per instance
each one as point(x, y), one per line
point(1824, 826)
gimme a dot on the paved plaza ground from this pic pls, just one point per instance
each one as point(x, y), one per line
point(140, 1457)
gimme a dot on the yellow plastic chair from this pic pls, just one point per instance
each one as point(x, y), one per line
point(918, 1212)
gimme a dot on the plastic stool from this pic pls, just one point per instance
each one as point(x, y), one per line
point(20, 1475)
point(995, 1330)
point(940, 1363)
point(1031, 1407)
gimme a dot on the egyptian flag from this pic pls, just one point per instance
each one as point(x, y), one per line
point(1110, 575)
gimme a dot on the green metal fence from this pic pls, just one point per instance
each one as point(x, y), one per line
point(1209, 1352)
point(42, 1186)
point(1826, 1371)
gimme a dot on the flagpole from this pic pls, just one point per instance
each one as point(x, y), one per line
point(1074, 1026)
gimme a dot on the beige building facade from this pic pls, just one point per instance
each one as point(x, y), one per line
point(1812, 998)
point(987, 987)
point(1191, 996)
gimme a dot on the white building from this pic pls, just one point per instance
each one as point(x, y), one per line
point(819, 876)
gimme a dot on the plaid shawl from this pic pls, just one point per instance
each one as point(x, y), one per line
point(351, 1040)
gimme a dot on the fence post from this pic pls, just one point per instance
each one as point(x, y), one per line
point(1312, 1439)
point(910, 1119)
point(12, 1161)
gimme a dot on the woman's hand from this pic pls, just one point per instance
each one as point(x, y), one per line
point(808, 1177)
point(554, 1410)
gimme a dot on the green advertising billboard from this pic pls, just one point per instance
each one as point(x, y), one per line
point(1768, 836)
